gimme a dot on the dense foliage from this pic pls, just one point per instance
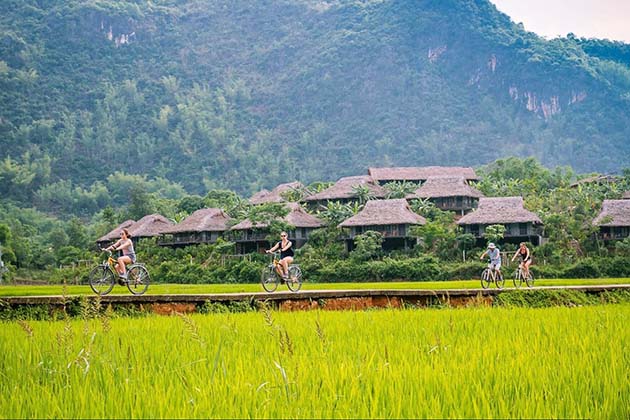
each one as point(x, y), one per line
point(32, 239)
point(243, 94)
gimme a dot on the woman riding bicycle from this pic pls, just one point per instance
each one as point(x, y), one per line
point(495, 257)
point(128, 256)
point(286, 254)
point(525, 256)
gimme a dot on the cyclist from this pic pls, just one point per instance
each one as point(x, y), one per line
point(525, 256)
point(286, 254)
point(495, 257)
point(128, 256)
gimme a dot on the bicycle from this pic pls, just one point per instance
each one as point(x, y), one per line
point(270, 279)
point(103, 277)
point(489, 275)
point(519, 276)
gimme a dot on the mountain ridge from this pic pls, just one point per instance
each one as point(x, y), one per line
point(245, 95)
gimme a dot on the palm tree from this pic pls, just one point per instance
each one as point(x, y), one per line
point(362, 193)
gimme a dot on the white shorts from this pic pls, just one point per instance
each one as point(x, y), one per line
point(496, 266)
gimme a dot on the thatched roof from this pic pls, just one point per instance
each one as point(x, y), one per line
point(420, 173)
point(150, 225)
point(497, 210)
point(445, 186)
point(614, 213)
point(343, 189)
point(385, 212)
point(203, 220)
point(274, 196)
point(114, 234)
point(297, 217)
point(596, 179)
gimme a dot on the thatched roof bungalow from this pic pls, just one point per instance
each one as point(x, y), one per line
point(202, 226)
point(626, 195)
point(114, 234)
point(149, 226)
point(392, 218)
point(420, 174)
point(275, 195)
point(344, 191)
point(252, 237)
point(449, 193)
point(614, 219)
point(521, 224)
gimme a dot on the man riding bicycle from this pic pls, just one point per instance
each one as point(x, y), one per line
point(495, 258)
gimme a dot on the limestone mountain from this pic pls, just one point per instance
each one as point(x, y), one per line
point(245, 94)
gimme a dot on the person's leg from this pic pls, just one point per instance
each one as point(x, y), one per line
point(285, 266)
point(526, 267)
point(122, 270)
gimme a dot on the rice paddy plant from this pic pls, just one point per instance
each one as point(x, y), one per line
point(474, 362)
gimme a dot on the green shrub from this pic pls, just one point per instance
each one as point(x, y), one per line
point(585, 268)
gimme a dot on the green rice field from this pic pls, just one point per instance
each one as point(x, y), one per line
point(464, 363)
point(11, 290)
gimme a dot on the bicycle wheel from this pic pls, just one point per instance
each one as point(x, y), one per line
point(269, 279)
point(518, 278)
point(499, 280)
point(294, 282)
point(530, 279)
point(485, 278)
point(102, 279)
point(138, 279)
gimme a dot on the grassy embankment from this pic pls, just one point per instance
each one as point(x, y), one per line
point(11, 290)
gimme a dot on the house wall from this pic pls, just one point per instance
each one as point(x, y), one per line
point(514, 232)
point(388, 231)
point(458, 203)
point(614, 232)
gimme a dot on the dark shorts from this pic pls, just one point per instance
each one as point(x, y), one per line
point(132, 256)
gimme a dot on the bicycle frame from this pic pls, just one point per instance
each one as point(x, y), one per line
point(491, 274)
point(103, 277)
point(270, 278)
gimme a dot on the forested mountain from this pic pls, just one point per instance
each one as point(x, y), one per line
point(244, 94)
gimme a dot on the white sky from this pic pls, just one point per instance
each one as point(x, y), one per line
point(585, 18)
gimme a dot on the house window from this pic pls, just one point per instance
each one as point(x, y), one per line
point(474, 229)
point(522, 228)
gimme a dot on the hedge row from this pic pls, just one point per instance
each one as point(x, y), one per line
point(425, 268)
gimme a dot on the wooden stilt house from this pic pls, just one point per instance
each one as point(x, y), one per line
point(392, 218)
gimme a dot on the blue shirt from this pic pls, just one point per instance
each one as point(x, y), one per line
point(494, 255)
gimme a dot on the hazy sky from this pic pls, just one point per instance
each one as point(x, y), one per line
point(585, 18)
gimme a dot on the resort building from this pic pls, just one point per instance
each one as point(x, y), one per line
point(204, 226)
point(449, 193)
point(149, 226)
point(255, 237)
point(344, 191)
point(521, 224)
point(392, 218)
point(275, 195)
point(614, 220)
point(419, 174)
